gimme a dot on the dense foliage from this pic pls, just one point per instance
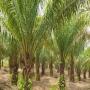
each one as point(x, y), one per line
point(33, 41)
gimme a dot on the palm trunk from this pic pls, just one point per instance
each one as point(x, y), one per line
point(72, 69)
point(10, 64)
point(51, 67)
point(62, 78)
point(14, 71)
point(27, 68)
point(68, 70)
point(43, 68)
point(26, 76)
point(84, 74)
point(15, 74)
point(79, 77)
point(37, 70)
point(79, 74)
point(2, 63)
point(32, 73)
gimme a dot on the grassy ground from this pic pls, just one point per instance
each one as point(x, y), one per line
point(54, 87)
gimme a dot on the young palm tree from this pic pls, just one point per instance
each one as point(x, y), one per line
point(43, 59)
point(78, 68)
point(85, 64)
point(75, 51)
point(62, 11)
point(82, 64)
point(37, 62)
point(66, 38)
point(78, 45)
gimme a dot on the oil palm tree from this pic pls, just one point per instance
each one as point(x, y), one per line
point(61, 12)
point(75, 52)
point(66, 38)
point(21, 16)
point(13, 59)
point(82, 63)
point(78, 68)
point(85, 64)
point(78, 46)
point(11, 51)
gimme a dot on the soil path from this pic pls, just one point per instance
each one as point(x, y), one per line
point(5, 81)
point(45, 84)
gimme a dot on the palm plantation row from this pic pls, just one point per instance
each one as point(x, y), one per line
point(57, 38)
